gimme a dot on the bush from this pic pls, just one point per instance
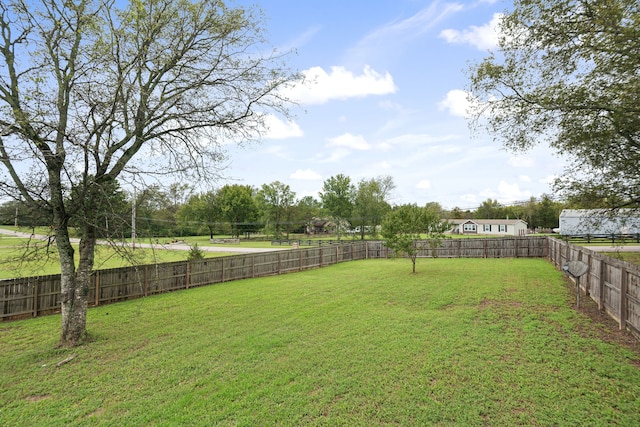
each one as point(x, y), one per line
point(195, 253)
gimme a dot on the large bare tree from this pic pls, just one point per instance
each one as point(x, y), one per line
point(91, 90)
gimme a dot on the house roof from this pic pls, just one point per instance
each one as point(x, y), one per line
point(581, 213)
point(487, 221)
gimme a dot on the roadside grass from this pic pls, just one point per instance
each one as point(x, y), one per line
point(462, 342)
point(17, 261)
point(632, 257)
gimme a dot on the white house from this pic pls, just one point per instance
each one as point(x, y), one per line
point(577, 222)
point(494, 227)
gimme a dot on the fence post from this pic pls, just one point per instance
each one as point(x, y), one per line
point(623, 298)
point(146, 281)
point(35, 298)
point(588, 282)
point(586, 289)
point(97, 290)
point(222, 278)
point(186, 279)
point(601, 286)
point(253, 266)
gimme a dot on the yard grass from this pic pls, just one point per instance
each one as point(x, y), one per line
point(632, 257)
point(462, 342)
point(14, 262)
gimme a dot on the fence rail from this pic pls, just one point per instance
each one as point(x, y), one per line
point(40, 295)
point(613, 284)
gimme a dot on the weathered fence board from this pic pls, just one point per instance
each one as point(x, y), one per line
point(35, 296)
point(613, 284)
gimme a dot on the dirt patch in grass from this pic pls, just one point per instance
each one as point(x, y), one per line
point(37, 398)
point(604, 326)
point(486, 303)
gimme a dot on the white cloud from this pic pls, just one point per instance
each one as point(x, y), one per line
point(522, 161)
point(320, 87)
point(335, 156)
point(506, 193)
point(525, 178)
point(549, 180)
point(306, 175)
point(301, 39)
point(383, 165)
point(395, 35)
point(470, 199)
point(278, 129)
point(511, 192)
point(389, 105)
point(355, 142)
point(484, 37)
point(457, 103)
point(424, 184)
point(278, 151)
point(419, 139)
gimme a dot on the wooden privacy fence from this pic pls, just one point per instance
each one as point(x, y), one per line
point(505, 247)
point(34, 296)
point(613, 284)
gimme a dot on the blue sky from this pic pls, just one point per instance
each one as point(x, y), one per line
point(388, 99)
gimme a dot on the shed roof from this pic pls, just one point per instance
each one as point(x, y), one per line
point(487, 221)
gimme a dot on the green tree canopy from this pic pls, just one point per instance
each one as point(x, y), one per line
point(489, 209)
point(371, 203)
point(277, 202)
point(201, 210)
point(337, 199)
point(238, 207)
point(307, 208)
point(404, 227)
point(566, 73)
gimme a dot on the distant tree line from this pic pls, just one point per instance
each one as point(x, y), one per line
point(356, 209)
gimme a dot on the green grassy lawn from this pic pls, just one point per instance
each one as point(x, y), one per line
point(632, 257)
point(462, 342)
point(16, 261)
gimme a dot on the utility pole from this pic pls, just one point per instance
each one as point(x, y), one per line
point(133, 221)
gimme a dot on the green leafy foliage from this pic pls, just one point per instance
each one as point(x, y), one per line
point(337, 199)
point(404, 227)
point(195, 253)
point(566, 73)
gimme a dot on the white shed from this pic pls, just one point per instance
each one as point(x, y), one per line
point(593, 222)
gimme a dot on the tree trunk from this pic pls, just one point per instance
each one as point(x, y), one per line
point(75, 285)
point(72, 306)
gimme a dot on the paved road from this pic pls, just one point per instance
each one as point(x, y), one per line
point(184, 247)
point(172, 246)
point(629, 248)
